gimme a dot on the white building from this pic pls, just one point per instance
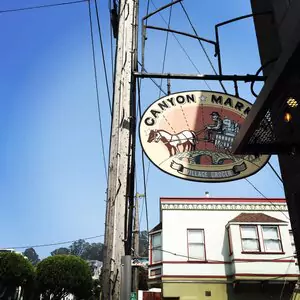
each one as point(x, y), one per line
point(223, 248)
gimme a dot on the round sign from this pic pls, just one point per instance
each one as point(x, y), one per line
point(190, 135)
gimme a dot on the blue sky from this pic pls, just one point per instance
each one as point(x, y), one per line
point(52, 182)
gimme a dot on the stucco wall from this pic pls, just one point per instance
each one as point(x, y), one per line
point(196, 291)
point(174, 240)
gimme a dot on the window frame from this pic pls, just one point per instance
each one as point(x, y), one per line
point(292, 242)
point(152, 261)
point(203, 243)
point(279, 239)
point(229, 241)
point(258, 240)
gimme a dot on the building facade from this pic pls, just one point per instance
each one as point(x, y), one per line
point(213, 248)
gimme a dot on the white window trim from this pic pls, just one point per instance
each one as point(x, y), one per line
point(261, 244)
point(257, 238)
point(191, 243)
point(279, 239)
point(158, 248)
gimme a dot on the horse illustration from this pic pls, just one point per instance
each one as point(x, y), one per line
point(186, 138)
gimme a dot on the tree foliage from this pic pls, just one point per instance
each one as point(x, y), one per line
point(60, 251)
point(15, 271)
point(32, 256)
point(60, 275)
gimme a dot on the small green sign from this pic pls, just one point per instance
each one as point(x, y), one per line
point(133, 296)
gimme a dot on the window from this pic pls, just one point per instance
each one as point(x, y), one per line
point(196, 245)
point(229, 241)
point(271, 238)
point(261, 239)
point(156, 247)
point(250, 240)
point(293, 245)
point(292, 241)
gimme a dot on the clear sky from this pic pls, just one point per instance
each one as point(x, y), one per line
point(52, 180)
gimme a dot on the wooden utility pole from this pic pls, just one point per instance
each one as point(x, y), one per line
point(136, 242)
point(120, 192)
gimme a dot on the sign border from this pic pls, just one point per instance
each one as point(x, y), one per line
point(190, 179)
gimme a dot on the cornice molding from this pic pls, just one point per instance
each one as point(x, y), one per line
point(220, 206)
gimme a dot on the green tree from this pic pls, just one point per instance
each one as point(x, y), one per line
point(96, 290)
point(15, 271)
point(79, 247)
point(32, 256)
point(60, 251)
point(60, 275)
point(93, 251)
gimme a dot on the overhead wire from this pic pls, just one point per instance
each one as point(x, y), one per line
point(181, 46)
point(41, 6)
point(143, 160)
point(211, 260)
point(202, 46)
point(273, 169)
point(157, 85)
point(52, 244)
point(285, 281)
point(165, 50)
point(111, 43)
point(103, 57)
point(97, 91)
point(265, 197)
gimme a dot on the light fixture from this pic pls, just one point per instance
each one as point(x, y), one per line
point(287, 117)
point(292, 102)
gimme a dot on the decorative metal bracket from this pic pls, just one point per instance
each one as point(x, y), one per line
point(218, 77)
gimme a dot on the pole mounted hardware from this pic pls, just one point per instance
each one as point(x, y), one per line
point(219, 76)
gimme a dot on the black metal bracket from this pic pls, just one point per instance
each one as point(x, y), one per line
point(144, 37)
point(185, 34)
point(218, 52)
point(218, 77)
point(235, 78)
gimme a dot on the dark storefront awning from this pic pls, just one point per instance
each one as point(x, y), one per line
point(265, 130)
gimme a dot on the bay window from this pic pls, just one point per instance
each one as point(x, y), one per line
point(261, 238)
point(196, 244)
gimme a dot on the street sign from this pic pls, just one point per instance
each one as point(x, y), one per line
point(190, 135)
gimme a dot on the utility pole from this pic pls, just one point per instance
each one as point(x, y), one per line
point(136, 241)
point(120, 193)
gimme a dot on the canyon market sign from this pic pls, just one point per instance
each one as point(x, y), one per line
point(190, 135)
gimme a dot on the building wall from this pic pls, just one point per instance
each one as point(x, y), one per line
point(225, 262)
point(218, 260)
point(195, 291)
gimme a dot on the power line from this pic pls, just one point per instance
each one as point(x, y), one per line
point(97, 90)
point(210, 260)
point(165, 50)
point(53, 244)
point(181, 46)
point(157, 85)
point(282, 290)
point(202, 46)
point(103, 57)
point(143, 160)
point(41, 6)
point(273, 169)
point(111, 42)
point(265, 197)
